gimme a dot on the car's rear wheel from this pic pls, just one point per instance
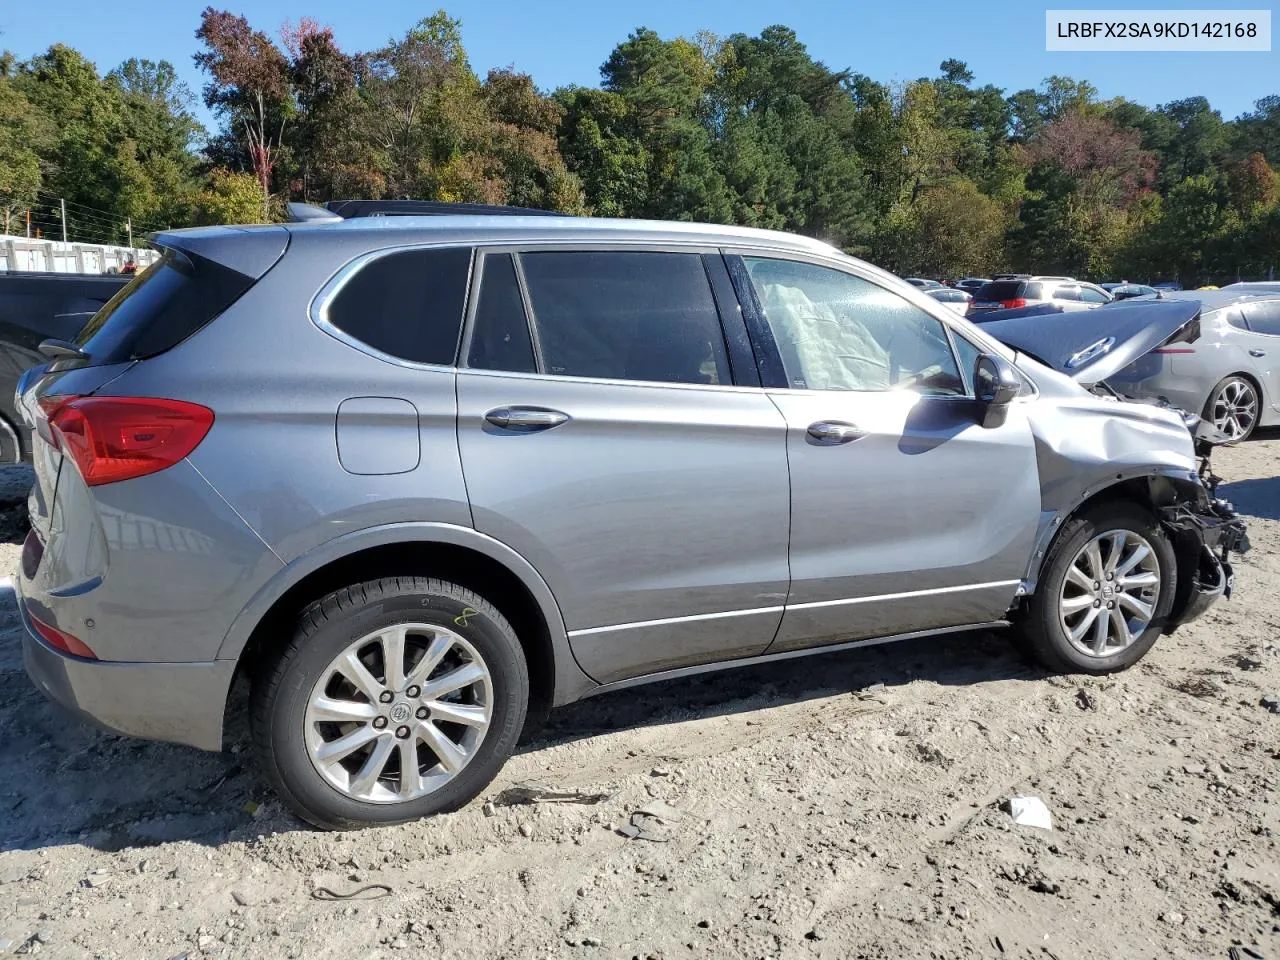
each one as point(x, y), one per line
point(1233, 408)
point(1104, 593)
point(395, 699)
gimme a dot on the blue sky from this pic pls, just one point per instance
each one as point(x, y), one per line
point(565, 42)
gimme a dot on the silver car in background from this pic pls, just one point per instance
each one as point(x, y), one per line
point(1229, 373)
point(1015, 291)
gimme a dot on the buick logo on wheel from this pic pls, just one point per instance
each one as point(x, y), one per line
point(400, 712)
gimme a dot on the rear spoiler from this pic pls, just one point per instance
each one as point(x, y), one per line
point(250, 251)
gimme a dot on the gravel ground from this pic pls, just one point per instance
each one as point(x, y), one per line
point(847, 805)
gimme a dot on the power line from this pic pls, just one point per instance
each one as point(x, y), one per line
point(84, 209)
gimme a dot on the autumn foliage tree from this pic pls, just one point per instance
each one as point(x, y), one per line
point(248, 87)
point(937, 175)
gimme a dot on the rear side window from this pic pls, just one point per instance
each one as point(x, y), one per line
point(407, 304)
point(1066, 293)
point(626, 316)
point(500, 336)
point(161, 307)
point(999, 290)
point(1263, 317)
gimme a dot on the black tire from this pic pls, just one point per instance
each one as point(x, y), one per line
point(1042, 629)
point(1251, 387)
point(283, 684)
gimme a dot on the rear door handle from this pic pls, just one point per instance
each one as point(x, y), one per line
point(525, 419)
point(1257, 353)
point(830, 433)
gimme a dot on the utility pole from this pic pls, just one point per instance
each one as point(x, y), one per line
point(128, 225)
point(64, 220)
point(28, 223)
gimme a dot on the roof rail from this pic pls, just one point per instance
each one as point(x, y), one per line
point(347, 209)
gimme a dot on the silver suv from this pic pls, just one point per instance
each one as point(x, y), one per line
point(418, 480)
point(1012, 291)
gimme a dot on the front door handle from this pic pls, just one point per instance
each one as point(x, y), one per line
point(1257, 353)
point(525, 419)
point(830, 433)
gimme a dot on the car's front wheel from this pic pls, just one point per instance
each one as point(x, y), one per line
point(1104, 593)
point(395, 699)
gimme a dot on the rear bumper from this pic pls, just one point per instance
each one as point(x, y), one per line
point(175, 702)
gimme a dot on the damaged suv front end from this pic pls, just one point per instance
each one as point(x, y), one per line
point(1205, 531)
point(1147, 450)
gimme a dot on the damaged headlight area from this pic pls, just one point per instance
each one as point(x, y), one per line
point(1204, 530)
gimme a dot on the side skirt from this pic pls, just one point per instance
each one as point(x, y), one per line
point(785, 655)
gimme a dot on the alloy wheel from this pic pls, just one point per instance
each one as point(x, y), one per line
point(1110, 592)
point(1234, 408)
point(399, 713)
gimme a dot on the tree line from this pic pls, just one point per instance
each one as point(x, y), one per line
point(934, 177)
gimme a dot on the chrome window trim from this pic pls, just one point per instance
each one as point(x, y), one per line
point(318, 309)
point(320, 303)
point(607, 382)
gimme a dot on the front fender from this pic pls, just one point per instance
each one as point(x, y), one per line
point(570, 682)
point(1086, 445)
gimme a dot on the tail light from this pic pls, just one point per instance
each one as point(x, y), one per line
point(61, 640)
point(119, 438)
point(1181, 341)
point(1014, 304)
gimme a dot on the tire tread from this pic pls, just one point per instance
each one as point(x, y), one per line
point(273, 670)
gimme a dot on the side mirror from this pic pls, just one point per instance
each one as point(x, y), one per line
point(995, 385)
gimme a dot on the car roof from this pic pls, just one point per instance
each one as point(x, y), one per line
point(384, 231)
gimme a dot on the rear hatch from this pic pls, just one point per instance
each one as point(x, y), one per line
point(199, 275)
point(999, 295)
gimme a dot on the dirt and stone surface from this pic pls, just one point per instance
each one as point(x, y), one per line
point(846, 805)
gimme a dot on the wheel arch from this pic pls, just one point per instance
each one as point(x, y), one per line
point(1148, 489)
point(445, 551)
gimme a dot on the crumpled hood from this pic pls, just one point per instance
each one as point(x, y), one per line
point(1091, 345)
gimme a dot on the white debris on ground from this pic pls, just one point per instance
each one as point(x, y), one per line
point(839, 806)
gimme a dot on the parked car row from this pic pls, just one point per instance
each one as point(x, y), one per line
point(419, 481)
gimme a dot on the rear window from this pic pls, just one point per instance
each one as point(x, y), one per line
point(407, 304)
point(999, 290)
point(161, 307)
point(1263, 317)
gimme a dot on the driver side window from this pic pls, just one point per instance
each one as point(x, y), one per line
point(836, 331)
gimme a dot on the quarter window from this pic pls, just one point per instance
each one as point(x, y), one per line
point(626, 316)
point(839, 332)
point(500, 338)
point(406, 304)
